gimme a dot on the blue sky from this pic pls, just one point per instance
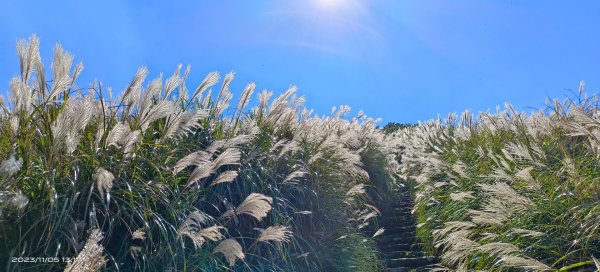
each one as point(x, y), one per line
point(402, 61)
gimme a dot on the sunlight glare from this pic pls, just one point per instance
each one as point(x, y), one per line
point(329, 3)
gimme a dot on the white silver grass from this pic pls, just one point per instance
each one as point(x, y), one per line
point(227, 176)
point(196, 158)
point(117, 135)
point(526, 263)
point(499, 249)
point(172, 82)
point(22, 95)
point(11, 166)
point(192, 226)
point(210, 80)
point(357, 189)
point(277, 234)
point(104, 180)
point(61, 64)
point(133, 94)
point(378, 232)
point(256, 205)
point(294, 176)
point(74, 117)
point(245, 97)
point(204, 169)
point(461, 196)
point(231, 249)
point(91, 258)
point(29, 56)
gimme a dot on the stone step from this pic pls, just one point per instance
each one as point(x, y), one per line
point(398, 228)
point(389, 243)
point(398, 213)
point(402, 247)
point(397, 217)
point(392, 216)
point(412, 269)
point(412, 262)
point(405, 230)
point(402, 200)
point(395, 210)
point(397, 235)
point(399, 222)
point(406, 205)
point(399, 244)
point(403, 254)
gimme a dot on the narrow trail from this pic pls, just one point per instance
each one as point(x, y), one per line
point(399, 245)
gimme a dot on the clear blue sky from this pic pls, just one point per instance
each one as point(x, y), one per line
point(403, 61)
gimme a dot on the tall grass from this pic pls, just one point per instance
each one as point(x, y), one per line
point(162, 177)
point(509, 191)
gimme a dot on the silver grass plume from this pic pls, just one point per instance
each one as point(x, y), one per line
point(183, 92)
point(231, 249)
point(223, 98)
point(29, 56)
point(139, 234)
point(461, 196)
point(117, 135)
point(192, 228)
point(172, 82)
point(22, 95)
point(152, 113)
point(290, 147)
point(452, 227)
point(130, 141)
point(204, 169)
point(91, 258)
point(183, 123)
point(61, 64)
point(15, 199)
point(133, 93)
point(256, 205)
point(210, 80)
point(499, 249)
point(195, 158)
point(74, 117)
point(263, 99)
point(104, 181)
point(11, 166)
point(527, 233)
point(275, 234)
point(378, 232)
point(231, 156)
point(227, 176)
point(524, 262)
point(358, 189)
point(245, 97)
point(293, 176)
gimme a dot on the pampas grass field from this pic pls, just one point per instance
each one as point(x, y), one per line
point(509, 191)
point(163, 176)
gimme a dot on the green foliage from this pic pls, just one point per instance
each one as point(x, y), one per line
point(392, 127)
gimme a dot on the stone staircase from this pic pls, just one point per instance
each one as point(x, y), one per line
point(398, 244)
